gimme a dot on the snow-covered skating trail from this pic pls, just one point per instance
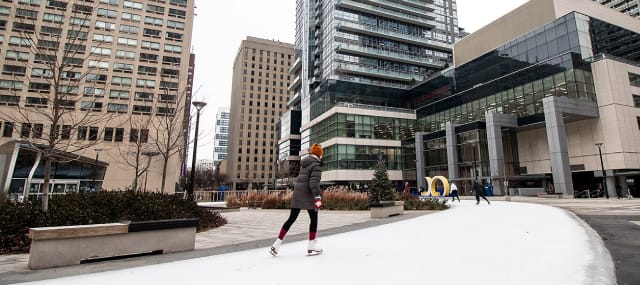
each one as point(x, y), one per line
point(501, 243)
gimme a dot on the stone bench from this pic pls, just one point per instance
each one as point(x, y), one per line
point(386, 209)
point(70, 245)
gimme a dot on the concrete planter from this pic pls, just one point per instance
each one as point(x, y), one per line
point(386, 209)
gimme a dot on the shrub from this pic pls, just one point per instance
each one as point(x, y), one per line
point(95, 208)
point(342, 200)
point(15, 220)
point(232, 201)
point(276, 201)
point(412, 202)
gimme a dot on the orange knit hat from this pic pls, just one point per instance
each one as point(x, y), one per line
point(316, 150)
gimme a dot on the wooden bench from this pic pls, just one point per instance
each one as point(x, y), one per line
point(386, 209)
point(69, 245)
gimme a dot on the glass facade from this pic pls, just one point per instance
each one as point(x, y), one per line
point(522, 100)
point(362, 127)
point(66, 176)
point(552, 60)
point(634, 79)
point(363, 157)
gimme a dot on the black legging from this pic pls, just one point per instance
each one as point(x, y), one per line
point(293, 215)
point(480, 193)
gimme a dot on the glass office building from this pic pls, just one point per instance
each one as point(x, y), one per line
point(355, 60)
point(478, 120)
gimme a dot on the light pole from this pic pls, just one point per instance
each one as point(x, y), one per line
point(604, 174)
point(475, 171)
point(199, 105)
point(95, 170)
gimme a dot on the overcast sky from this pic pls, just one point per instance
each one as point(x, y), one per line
point(220, 26)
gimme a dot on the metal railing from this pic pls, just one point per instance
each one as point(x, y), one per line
point(242, 195)
point(375, 108)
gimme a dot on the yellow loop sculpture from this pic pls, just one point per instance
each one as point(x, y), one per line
point(432, 182)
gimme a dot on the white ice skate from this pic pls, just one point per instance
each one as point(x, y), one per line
point(313, 248)
point(275, 247)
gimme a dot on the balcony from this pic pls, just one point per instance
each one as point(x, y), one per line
point(370, 9)
point(416, 3)
point(375, 31)
point(296, 66)
point(386, 54)
point(424, 11)
point(377, 72)
point(294, 99)
point(295, 83)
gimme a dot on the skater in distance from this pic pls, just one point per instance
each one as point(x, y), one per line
point(479, 192)
point(306, 195)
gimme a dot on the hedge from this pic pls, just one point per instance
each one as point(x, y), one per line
point(94, 208)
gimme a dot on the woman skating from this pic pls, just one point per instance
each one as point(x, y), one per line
point(306, 195)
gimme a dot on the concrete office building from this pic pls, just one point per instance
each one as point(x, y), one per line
point(629, 7)
point(221, 140)
point(205, 165)
point(259, 98)
point(355, 60)
point(125, 64)
point(533, 99)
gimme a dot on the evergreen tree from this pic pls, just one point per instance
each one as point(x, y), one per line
point(380, 188)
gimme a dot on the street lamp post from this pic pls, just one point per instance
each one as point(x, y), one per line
point(95, 170)
point(199, 105)
point(475, 171)
point(604, 174)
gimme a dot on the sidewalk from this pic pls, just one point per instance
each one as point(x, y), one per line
point(504, 243)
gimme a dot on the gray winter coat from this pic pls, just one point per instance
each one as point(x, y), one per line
point(307, 184)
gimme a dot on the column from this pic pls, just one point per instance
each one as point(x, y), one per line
point(420, 161)
point(495, 122)
point(554, 110)
point(611, 186)
point(558, 149)
point(452, 151)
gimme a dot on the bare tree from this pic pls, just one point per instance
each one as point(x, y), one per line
point(204, 178)
point(49, 115)
point(169, 129)
point(219, 177)
point(138, 152)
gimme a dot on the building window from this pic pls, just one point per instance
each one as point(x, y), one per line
point(82, 133)
point(119, 134)
point(636, 101)
point(139, 135)
point(66, 132)
point(7, 132)
point(634, 79)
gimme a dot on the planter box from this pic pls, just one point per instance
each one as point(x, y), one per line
point(386, 209)
point(70, 245)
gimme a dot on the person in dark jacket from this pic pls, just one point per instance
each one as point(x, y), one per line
point(479, 192)
point(306, 195)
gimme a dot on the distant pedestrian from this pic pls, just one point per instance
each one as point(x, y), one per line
point(479, 192)
point(306, 195)
point(454, 192)
point(406, 187)
point(619, 191)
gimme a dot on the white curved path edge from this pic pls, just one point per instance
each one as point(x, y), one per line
point(501, 243)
